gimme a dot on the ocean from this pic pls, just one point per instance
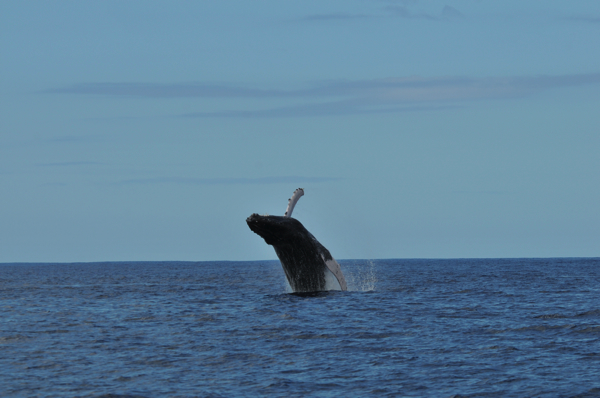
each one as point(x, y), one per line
point(412, 328)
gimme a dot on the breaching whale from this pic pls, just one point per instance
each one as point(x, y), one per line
point(305, 261)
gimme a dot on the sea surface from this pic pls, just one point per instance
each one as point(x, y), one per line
point(414, 328)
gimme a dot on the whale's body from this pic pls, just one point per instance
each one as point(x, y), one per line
point(305, 261)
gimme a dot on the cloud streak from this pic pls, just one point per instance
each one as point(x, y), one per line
point(586, 19)
point(230, 181)
point(408, 89)
point(342, 97)
point(337, 16)
point(404, 12)
point(402, 9)
point(327, 109)
point(69, 164)
point(156, 90)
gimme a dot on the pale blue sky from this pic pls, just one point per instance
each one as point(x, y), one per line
point(147, 130)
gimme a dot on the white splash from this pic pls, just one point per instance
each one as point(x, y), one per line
point(361, 276)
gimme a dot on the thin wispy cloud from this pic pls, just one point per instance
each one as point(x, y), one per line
point(403, 10)
point(230, 181)
point(64, 139)
point(451, 12)
point(410, 10)
point(323, 109)
point(340, 97)
point(71, 139)
point(336, 16)
point(409, 89)
point(156, 90)
point(447, 13)
point(482, 192)
point(586, 19)
point(69, 164)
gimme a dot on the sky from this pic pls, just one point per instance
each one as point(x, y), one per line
point(150, 130)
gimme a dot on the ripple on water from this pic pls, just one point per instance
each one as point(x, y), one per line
point(523, 327)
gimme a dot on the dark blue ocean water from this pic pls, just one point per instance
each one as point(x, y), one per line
point(439, 328)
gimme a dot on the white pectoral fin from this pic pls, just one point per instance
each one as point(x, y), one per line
point(335, 269)
point(292, 201)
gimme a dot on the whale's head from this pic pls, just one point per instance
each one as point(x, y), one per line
point(276, 230)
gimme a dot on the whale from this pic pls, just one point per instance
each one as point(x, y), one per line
point(307, 264)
